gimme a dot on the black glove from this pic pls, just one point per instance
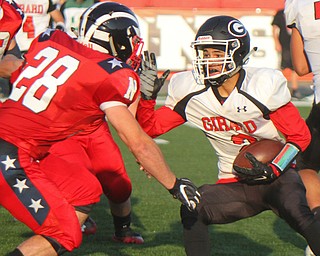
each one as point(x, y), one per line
point(150, 83)
point(185, 191)
point(260, 173)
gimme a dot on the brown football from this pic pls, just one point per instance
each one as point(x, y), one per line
point(264, 150)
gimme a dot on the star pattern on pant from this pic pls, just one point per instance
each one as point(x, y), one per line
point(21, 184)
point(36, 205)
point(27, 193)
point(8, 163)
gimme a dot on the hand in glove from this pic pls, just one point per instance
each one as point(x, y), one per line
point(150, 83)
point(260, 173)
point(185, 191)
point(61, 26)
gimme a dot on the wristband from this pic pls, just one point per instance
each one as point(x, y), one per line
point(286, 156)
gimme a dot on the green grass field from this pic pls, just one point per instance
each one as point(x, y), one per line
point(156, 214)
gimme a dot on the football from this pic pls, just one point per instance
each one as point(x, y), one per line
point(263, 150)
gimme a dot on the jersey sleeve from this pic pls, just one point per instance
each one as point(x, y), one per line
point(119, 88)
point(269, 86)
point(171, 100)
point(280, 93)
point(180, 85)
point(156, 122)
point(290, 12)
point(10, 24)
point(288, 121)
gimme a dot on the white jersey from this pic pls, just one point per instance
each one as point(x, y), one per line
point(305, 14)
point(242, 118)
point(72, 11)
point(72, 17)
point(36, 20)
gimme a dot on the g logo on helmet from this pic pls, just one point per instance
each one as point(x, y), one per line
point(236, 28)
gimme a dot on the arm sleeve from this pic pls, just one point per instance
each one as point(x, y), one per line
point(275, 21)
point(156, 122)
point(290, 11)
point(288, 121)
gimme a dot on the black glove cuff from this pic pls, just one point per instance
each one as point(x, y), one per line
point(172, 190)
point(145, 97)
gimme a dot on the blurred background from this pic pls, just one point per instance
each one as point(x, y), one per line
point(168, 27)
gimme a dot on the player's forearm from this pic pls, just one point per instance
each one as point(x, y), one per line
point(156, 122)
point(299, 58)
point(9, 64)
point(140, 144)
point(57, 16)
point(151, 158)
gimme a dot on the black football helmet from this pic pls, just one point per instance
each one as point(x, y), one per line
point(226, 34)
point(113, 28)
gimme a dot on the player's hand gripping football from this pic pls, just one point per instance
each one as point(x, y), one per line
point(260, 173)
point(185, 191)
point(151, 84)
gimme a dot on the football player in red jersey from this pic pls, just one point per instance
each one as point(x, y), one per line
point(105, 158)
point(66, 89)
point(11, 18)
point(119, 199)
point(233, 105)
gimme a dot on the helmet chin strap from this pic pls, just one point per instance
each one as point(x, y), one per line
point(220, 80)
point(217, 82)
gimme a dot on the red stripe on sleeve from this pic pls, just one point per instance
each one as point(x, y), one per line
point(289, 122)
point(317, 10)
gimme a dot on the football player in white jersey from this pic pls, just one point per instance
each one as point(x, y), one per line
point(304, 19)
point(37, 20)
point(234, 106)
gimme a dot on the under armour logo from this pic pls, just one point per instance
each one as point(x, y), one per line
point(243, 109)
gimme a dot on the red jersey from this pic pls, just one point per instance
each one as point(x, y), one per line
point(11, 18)
point(61, 91)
